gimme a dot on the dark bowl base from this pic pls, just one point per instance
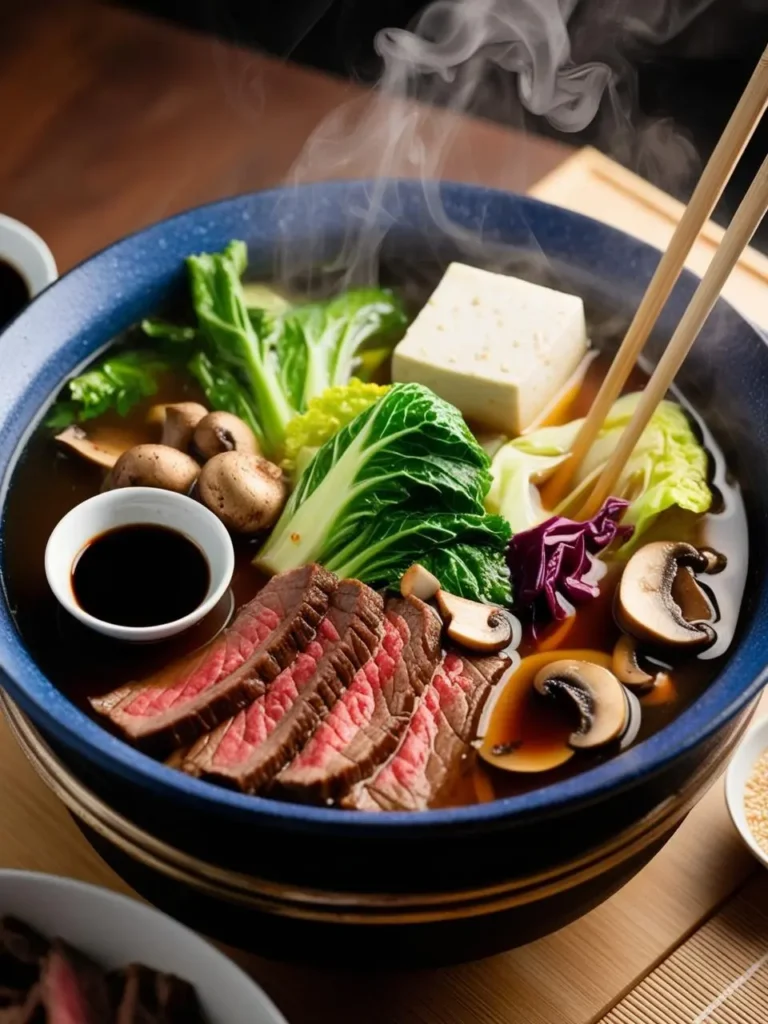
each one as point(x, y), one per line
point(306, 942)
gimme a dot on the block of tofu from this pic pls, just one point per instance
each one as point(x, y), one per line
point(498, 348)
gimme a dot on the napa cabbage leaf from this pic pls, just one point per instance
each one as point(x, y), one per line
point(668, 467)
point(334, 333)
point(404, 481)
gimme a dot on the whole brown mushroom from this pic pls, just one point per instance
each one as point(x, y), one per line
point(155, 465)
point(220, 432)
point(245, 491)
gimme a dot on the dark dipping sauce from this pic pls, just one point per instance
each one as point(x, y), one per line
point(14, 292)
point(140, 575)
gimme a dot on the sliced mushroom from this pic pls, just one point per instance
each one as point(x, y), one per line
point(628, 669)
point(480, 627)
point(645, 606)
point(155, 465)
point(179, 422)
point(716, 560)
point(245, 491)
point(598, 696)
point(100, 452)
point(419, 582)
point(220, 432)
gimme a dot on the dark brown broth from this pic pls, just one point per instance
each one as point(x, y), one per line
point(47, 483)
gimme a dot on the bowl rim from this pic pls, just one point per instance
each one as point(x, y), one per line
point(118, 902)
point(81, 733)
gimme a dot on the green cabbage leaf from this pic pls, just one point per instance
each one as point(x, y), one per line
point(668, 467)
point(403, 481)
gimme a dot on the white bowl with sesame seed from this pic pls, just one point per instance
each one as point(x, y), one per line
point(746, 790)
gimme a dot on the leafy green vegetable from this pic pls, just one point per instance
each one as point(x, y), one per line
point(512, 493)
point(333, 333)
point(403, 481)
point(117, 382)
point(224, 392)
point(224, 320)
point(282, 355)
point(166, 331)
point(325, 416)
point(253, 353)
point(668, 467)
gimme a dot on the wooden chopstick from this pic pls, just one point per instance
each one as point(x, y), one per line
point(737, 134)
point(740, 231)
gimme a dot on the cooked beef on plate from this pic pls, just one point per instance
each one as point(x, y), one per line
point(52, 983)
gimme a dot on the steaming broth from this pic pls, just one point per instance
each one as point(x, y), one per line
point(47, 483)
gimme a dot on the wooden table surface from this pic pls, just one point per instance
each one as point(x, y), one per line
point(110, 122)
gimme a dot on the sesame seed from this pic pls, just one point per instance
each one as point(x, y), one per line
point(756, 801)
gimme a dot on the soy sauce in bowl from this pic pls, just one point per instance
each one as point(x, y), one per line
point(140, 575)
point(14, 292)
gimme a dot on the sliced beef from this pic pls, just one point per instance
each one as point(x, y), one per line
point(251, 748)
point(365, 724)
point(264, 639)
point(141, 995)
point(28, 1010)
point(21, 951)
point(437, 740)
point(74, 989)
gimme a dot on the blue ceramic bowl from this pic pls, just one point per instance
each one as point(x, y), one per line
point(726, 378)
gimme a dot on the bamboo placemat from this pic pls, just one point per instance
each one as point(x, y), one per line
point(719, 976)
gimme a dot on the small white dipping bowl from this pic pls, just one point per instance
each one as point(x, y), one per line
point(128, 506)
point(751, 747)
point(28, 253)
point(116, 931)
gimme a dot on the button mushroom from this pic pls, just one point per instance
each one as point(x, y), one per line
point(479, 627)
point(597, 695)
point(220, 432)
point(419, 582)
point(245, 491)
point(179, 421)
point(155, 465)
point(645, 606)
point(628, 669)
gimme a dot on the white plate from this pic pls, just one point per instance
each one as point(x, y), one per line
point(751, 747)
point(116, 931)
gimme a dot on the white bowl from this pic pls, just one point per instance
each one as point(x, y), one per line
point(123, 507)
point(751, 747)
point(28, 253)
point(116, 931)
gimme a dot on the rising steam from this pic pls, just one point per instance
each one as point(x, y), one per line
point(497, 58)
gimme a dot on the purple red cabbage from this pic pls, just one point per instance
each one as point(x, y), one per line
point(550, 564)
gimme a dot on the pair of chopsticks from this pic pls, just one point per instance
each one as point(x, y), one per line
point(745, 221)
